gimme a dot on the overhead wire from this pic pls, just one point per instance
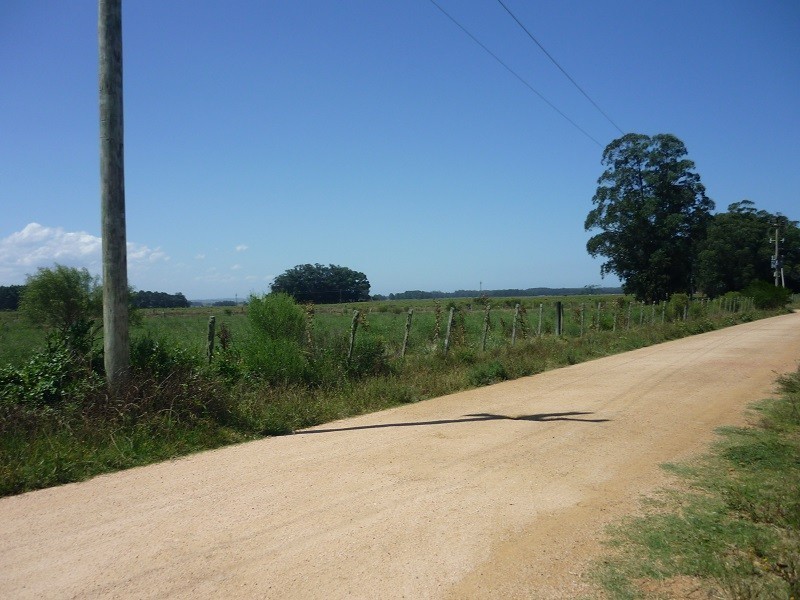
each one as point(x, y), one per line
point(514, 73)
point(555, 62)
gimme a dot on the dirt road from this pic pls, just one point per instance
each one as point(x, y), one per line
point(499, 492)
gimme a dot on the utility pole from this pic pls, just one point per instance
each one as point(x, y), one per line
point(112, 195)
point(777, 263)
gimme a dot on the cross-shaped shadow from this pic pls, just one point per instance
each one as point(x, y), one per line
point(541, 417)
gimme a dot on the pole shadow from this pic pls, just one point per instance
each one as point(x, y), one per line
point(471, 418)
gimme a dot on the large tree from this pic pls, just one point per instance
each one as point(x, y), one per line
point(739, 246)
point(66, 300)
point(652, 212)
point(323, 285)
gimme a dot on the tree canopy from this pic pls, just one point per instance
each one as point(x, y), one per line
point(9, 296)
point(322, 285)
point(737, 249)
point(148, 299)
point(652, 212)
point(61, 298)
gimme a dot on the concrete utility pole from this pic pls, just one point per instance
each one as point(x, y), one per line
point(112, 195)
point(777, 263)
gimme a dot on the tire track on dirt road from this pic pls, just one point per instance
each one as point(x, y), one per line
point(496, 492)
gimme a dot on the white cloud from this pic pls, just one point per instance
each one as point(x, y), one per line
point(241, 248)
point(36, 245)
point(200, 256)
point(236, 267)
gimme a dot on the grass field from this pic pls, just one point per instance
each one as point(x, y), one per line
point(58, 423)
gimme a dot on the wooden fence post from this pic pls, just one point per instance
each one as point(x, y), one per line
point(408, 330)
point(353, 327)
point(437, 322)
point(310, 326)
point(599, 316)
point(449, 329)
point(539, 329)
point(628, 325)
point(485, 327)
point(210, 340)
point(514, 325)
point(583, 316)
point(559, 318)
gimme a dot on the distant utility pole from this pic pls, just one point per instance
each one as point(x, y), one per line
point(112, 195)
point(777, 262)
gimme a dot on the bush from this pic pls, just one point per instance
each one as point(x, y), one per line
point(369, 358)
point(52, 376)
point(160, 358)
point(676, 306)
point(273, 350)
point(487, 373)
point(766, 295)
point(66, 300)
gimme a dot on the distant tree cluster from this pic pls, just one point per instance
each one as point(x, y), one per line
point(657, 232)
point(737, 249)
point(322, 285)
point(147, 299)
point(505, 293)
point(9, 296)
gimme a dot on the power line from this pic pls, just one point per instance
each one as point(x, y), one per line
point(553, 60)
point(515, 74)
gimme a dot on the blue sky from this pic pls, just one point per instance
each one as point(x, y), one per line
point(376, 135)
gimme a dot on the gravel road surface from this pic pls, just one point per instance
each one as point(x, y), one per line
point(497, 492)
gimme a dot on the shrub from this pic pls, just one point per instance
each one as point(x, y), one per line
point(160, 358)
point(766, 295)
point(487, 373)
point(676, 306)
point(369, 358)
point(52, 376)
point(273, 350)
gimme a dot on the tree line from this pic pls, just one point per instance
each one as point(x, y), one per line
point(504, 293)
point(658, 233)
point(11, 295)
point(147, 299)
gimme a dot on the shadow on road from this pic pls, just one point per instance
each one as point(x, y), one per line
point(542, 418)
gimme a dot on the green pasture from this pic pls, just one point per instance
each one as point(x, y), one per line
point(386, 321)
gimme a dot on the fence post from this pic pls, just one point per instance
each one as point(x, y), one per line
point(449, 329)
point(408, 330)
point(210, 340)
point(559, 317)
point(663, 310)
point(514, 325)
point(310, 326)
point(628, 326)
point(641, 314)
point(437, 322)
point(485, 327)
point(353, 327)
point(583, 316)
point(539, 329)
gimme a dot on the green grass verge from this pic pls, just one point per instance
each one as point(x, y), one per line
point(176, 404)
point(732, 530)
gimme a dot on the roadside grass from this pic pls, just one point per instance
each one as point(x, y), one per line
point(67, 428)
point(731, 527)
